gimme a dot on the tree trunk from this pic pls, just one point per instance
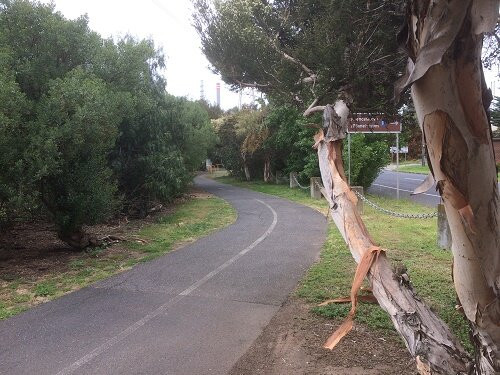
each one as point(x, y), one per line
point(78, 239)
point(267, 169)
point(427, 338)
point(245, 168)
point(444, 40)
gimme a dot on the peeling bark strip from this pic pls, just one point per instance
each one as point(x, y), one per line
point(444, 40)
point(426, 336)
point(364, 266)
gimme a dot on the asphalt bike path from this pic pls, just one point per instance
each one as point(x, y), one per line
point(193, 311)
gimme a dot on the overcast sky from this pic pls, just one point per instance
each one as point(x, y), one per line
point(168, 23)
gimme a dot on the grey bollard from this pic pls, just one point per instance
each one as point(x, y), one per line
point(278, 176)
point(443, 229)
point(359, 206)
point(315, 187)
point(293, 180)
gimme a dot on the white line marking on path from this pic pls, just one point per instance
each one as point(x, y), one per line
point(408, 191)
point(134, 327)
point(202, 281)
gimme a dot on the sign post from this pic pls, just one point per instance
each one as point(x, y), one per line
point(349, 157)
point(397, 165)
point(373, 123)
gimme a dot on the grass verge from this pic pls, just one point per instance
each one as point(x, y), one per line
point(409, 242)
point(419, 169)
point(189, 221)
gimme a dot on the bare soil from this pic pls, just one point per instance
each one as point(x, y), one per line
point(30, 251)
point(292, 344)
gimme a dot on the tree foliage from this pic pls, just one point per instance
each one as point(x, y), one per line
point(302, 50)
point(303, 55)
point(78, 119)
point(86, 125)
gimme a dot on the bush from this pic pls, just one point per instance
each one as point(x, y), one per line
point(83, 120)
point(79, 118)
point(368, 157)
point(17, 176)
point(227, 151)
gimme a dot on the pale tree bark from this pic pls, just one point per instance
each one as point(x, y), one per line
point(444, 40)
point(267, 169)
point(426, 336)
point(245, 166)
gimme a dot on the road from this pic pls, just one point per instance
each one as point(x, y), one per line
point(193, 311)
point(386, 185)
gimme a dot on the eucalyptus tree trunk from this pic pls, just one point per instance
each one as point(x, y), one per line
point(245, 167)
point(444, 40)
point(426, 336)
point(267, 169)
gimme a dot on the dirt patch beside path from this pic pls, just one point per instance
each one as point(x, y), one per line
point(292, 344)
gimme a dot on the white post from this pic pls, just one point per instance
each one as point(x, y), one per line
point(397, 165)
point(349, 157)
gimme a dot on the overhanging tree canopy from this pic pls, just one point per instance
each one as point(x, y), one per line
point(306, 52)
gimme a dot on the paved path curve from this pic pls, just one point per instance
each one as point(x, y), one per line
point(193, 311)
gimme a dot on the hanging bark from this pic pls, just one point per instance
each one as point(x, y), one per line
point(426, 336)
point(443, 40)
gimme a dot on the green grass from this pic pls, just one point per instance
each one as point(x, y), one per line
point(297, 195)
point(420, 169)
point(189, 221)
point(408, 242)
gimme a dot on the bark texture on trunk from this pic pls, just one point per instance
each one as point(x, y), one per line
point(444, 40)
point(427, 337)
point(245, 167)
point(267, 169)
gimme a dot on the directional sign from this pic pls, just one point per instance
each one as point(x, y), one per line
point(402, 150)
point(373, 123)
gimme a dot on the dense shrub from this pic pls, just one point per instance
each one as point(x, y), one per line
point(86, 124)
point(16, 182)
point(368, 156)
point(78, 116)
point(289, 144)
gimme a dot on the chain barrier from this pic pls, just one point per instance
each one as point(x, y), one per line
point(377, 207)
point(318, 185)
point(393, 213)
point(298, 183)
point(389, 212)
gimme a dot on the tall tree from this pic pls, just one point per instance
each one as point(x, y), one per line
point(302, 51)
point(443, 40)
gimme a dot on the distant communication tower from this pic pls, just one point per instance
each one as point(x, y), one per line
point(217, 89)
point(202, 90)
